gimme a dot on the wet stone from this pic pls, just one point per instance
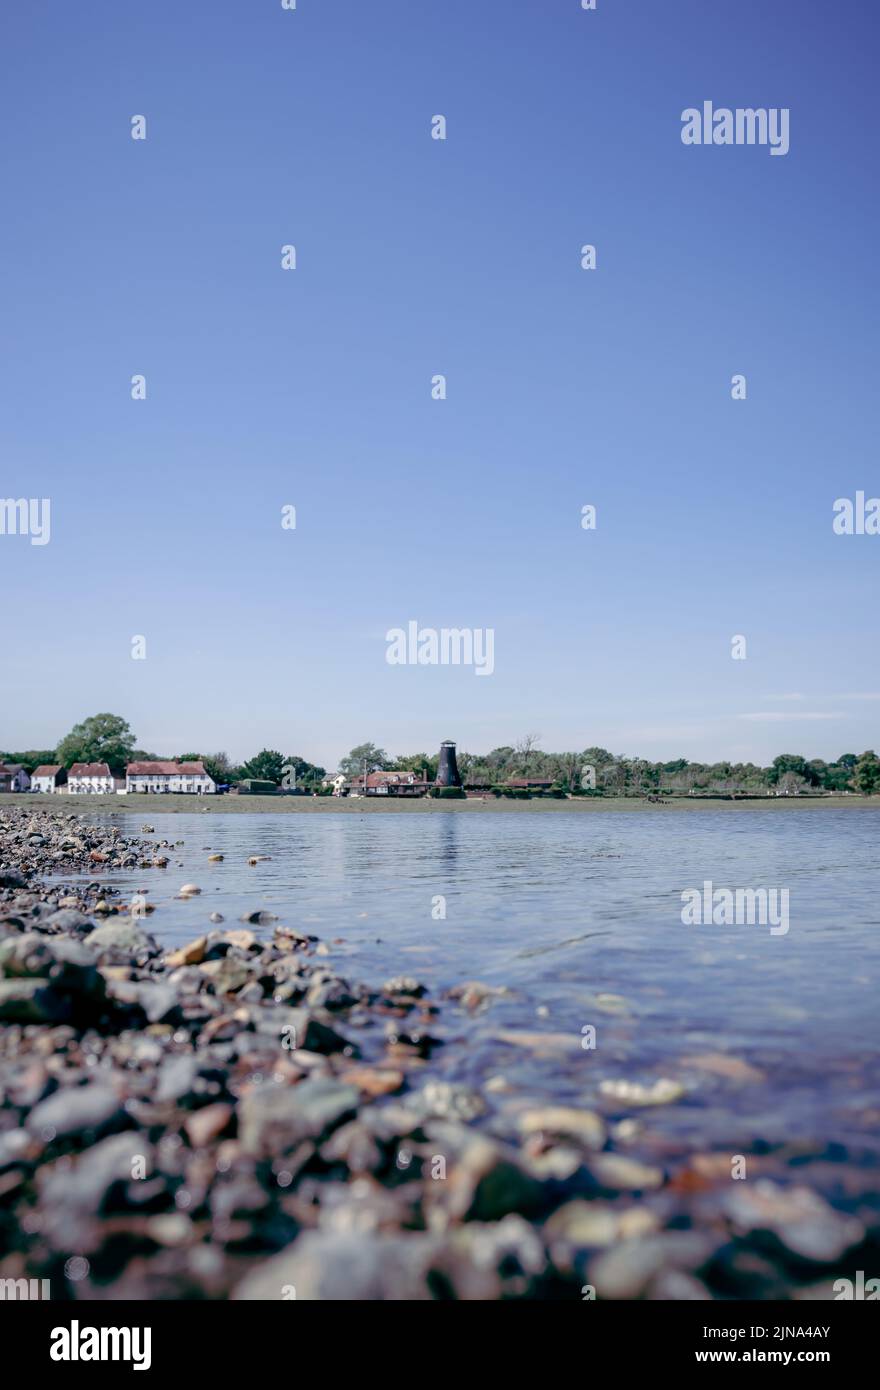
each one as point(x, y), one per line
point(123, 938)
point(273, 1119)
point(30, 1001)
point(75, 1111)
point(619, 1173)
point(449, 1101)
point(799, 1219)
point(335, 1265)
point(583, 1126)
point(627, 1269)
point(484, 1179)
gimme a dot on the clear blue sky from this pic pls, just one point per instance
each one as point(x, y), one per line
point(416, 257)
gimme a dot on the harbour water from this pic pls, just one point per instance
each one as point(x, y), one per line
point(773, 1038)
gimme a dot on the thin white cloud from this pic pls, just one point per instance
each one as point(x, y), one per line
point(783, 717)
point(863, 695)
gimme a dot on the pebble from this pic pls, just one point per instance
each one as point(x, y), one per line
point(191, 954)
point(272, 1119)
point(626, 1269)
point(802, 1221)
point(344, 1267)
point(664, 1091)
point(474, 994)
point(207, 1124)
point(583, 1125)
point(119, 936)
point(619, 1173)
point(75, 1111)
point(375, 1081)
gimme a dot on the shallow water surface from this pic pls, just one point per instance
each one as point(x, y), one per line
point(775, 1038)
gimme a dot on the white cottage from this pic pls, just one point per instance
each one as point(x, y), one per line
point(49, 778)
point(90, 779)
point(169, 777)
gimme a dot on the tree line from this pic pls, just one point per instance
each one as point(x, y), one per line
point(107, 738)
point(620, 775)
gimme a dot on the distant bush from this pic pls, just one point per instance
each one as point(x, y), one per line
point(450, 793)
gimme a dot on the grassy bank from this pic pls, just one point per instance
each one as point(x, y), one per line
point(326, 805)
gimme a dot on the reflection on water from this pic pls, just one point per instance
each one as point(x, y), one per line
point(564, 909)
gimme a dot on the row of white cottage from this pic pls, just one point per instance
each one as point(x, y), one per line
point(96, 779)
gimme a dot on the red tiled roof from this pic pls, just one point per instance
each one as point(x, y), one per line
point(166, 769)
point(388, 779)
point(47, 770)
point(381, 779)
point(89, 770)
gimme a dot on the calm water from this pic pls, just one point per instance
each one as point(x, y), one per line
point(565, 908)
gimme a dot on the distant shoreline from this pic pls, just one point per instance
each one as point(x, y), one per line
point(174, 804)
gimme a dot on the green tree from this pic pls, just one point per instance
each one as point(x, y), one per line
point(838, 776)
point(221, 767)
point(598, 757)
point(786, 762)
point(307, 774)
point(612, 776)
point(565, 769)
point(103, 738)
point(837, 779)
point(426, 765)
point(496, 766)
point(352, 764)
point(267, 766)
point(528, 757)
point(866, 775)
point(677, 765)
point(31, 758)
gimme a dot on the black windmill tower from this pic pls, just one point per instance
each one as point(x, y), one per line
point(447, 769)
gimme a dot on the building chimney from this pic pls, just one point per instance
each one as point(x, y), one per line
point(447, 769)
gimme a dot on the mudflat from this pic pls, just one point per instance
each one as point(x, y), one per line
point(337, 805)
